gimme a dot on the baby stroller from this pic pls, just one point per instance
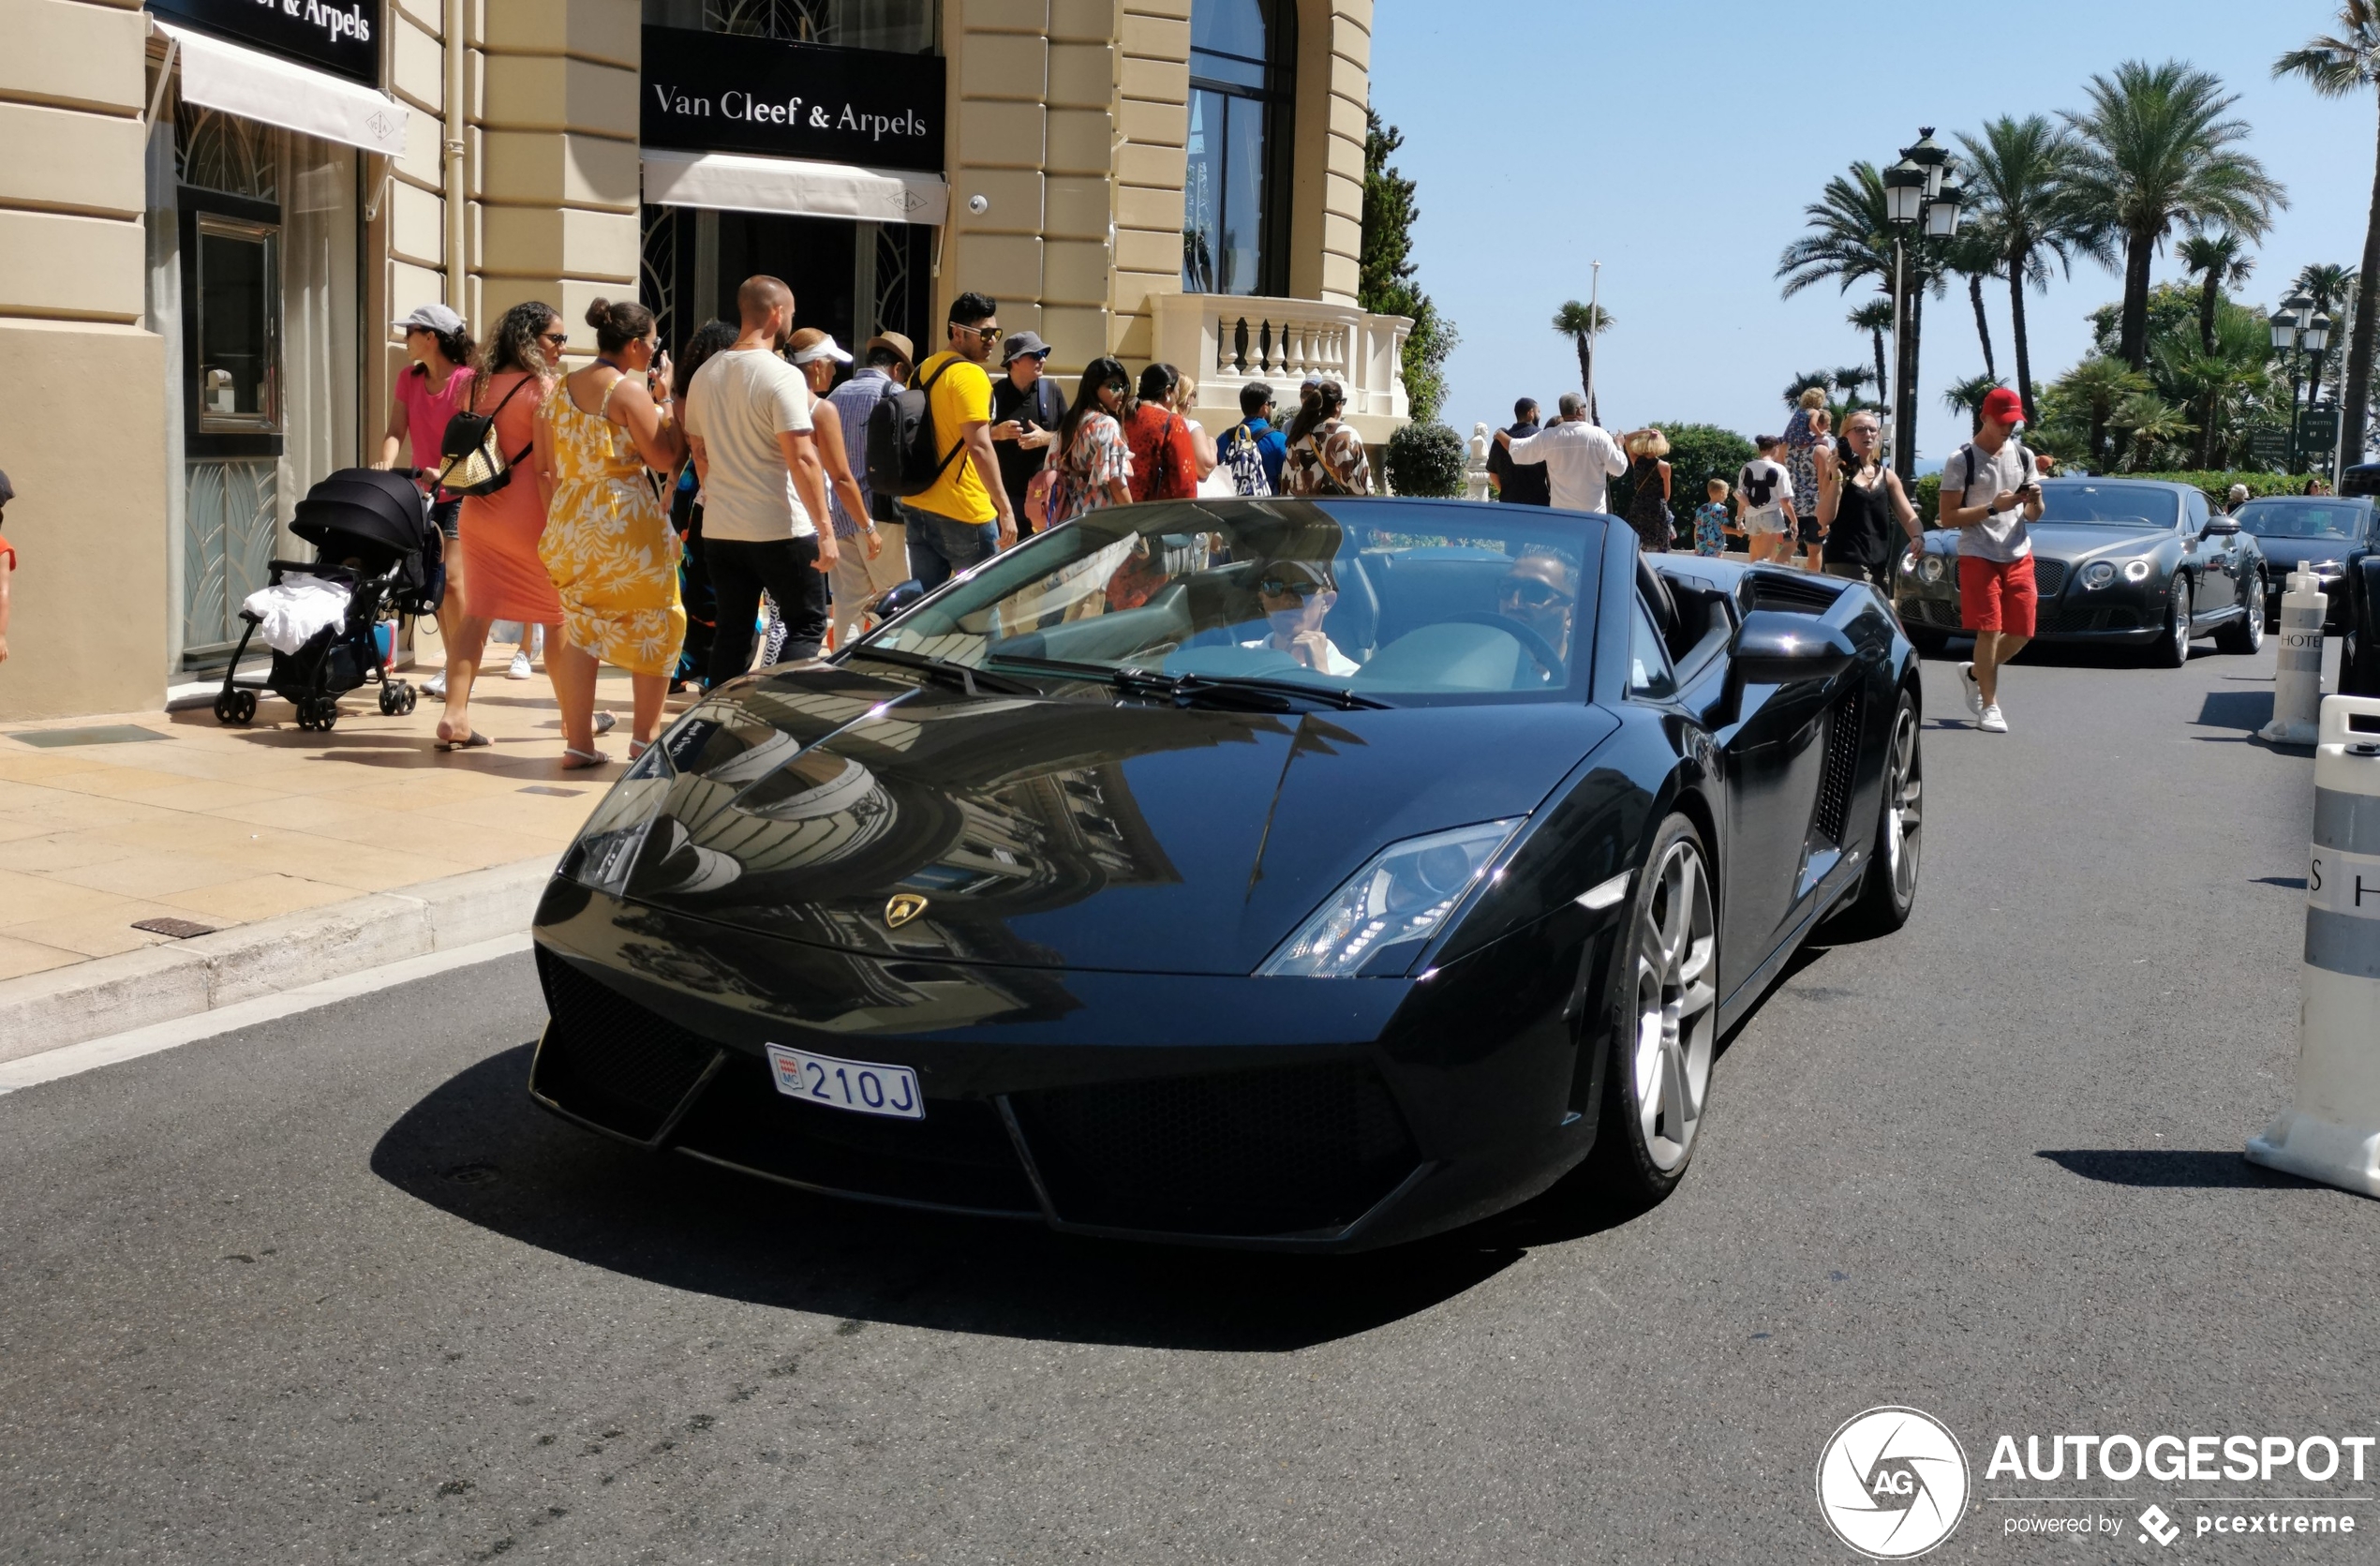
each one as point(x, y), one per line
point(372, 535)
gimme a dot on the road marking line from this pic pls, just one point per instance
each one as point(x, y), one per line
point(73, 1059)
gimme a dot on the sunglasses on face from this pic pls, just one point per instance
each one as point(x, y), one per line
point(989, 329)
point(554, 339)
point(1535, 595)
point(1276, 586)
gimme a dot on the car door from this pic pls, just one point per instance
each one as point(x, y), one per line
point(2218, 558)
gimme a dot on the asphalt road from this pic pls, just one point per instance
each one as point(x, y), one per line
point(331, 1289)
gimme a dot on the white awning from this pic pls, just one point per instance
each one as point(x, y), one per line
point(258, 86)
point(732, 182)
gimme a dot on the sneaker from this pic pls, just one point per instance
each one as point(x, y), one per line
point(1991, 721)
point(1974, 689)
point(520, 669)
point(435, 685)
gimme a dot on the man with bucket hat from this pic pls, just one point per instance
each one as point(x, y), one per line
point(1025, 411)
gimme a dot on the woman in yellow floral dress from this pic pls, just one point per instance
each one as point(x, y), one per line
point(607, 542)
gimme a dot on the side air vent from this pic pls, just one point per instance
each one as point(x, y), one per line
point(1842, 762)
point(609, 1062)
point(1793, 591)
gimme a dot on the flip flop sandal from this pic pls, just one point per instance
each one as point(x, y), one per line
point(470, 741)
point(606, 721)
point(574, 760)
point(636, 749)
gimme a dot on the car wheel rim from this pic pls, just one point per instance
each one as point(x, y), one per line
point(1904, 815)
point(2256, 617)
point(1676, 1007)
point(2181, 622)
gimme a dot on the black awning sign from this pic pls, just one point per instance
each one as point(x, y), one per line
point(339, 36)
point(718, 91)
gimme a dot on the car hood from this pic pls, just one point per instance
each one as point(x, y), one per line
point(1054, 832)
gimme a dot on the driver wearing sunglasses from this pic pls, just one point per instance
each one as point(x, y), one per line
point(1297, 595)
point(1539, 593)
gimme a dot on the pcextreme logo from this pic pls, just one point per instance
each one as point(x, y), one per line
point(1892, 1482)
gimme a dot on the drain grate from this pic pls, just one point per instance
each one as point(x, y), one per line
point(181, 930)
point(106, 734)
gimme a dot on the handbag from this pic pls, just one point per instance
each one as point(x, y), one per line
point(1037, 494)
point(1337, 486)
point(475, 459)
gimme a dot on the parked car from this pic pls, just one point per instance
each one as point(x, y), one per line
point(2312, 532)
point(1306, 874)
point(2359, 636)
point(2133, 561)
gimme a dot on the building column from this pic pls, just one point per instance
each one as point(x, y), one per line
point(1334, 91)
point(87, 456)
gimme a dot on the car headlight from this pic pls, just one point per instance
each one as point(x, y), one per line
point(2098, 574)
point(1378, 921)
point(607, 845)
point(1930, 568)
point(2136, 571)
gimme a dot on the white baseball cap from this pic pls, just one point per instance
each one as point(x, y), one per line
point(820, 345)
point(432, 318)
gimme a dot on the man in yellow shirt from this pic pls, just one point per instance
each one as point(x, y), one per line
point(965, 517)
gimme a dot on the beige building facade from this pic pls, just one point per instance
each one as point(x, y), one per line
point(213, 210)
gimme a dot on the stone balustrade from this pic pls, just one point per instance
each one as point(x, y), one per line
point(1228, 341)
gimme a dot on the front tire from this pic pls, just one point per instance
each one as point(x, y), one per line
point(1665, 1022)
point(2172, 650)
point(1888, 891)
point(2245, 635)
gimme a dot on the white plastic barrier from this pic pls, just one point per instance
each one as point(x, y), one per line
point(2331, 1132)
point(2297, 678)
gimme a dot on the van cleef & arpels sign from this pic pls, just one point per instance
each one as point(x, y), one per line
point(339, 36)
point(721, 92)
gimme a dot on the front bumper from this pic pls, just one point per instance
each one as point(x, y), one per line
point(2108, 615)
point(1345, 1114)
point(2334, 588)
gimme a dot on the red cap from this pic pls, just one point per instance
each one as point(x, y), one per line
point(2002, 405)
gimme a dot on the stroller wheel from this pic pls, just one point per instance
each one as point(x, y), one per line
point(305, 713)
point(243, 707)
point(326, 712)
point(223, 708)
point(413, 698)
point(391, 700)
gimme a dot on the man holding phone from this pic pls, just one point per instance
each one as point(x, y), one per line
point(1025, 411)
point(1989, 492)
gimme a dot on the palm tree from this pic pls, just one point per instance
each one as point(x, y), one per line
point(2151, 422)
point(2156, 153)
point(1875, 318)
point(2330, 287)
point(1848, 381)
point(1974, 255)
point(2222, 384)
point(2216, 254)
point(2088, 395)
point(2340, 64)
point(2018, 180)
point(1851, 241)
point(1968, 395)
point(1582, 324)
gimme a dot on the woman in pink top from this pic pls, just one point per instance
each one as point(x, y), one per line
point(499, 533)
point(428, 392)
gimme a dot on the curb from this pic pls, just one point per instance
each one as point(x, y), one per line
point(161, 983)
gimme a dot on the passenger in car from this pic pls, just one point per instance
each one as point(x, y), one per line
point(1541, 592)
point(1296, 595)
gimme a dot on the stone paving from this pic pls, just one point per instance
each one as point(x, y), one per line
point(221, 827)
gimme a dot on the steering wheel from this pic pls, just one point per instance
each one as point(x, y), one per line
point(1536, 646)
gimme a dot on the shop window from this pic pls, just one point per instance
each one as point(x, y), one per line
point(225, 153)
point(1234, 221)
point(900, 26)
point(237, 292)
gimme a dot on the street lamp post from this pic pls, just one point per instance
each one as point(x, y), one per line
point(2290, 325)
point(1918, 198)
point(2316, 336)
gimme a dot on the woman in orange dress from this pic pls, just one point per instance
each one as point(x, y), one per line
point(502, 577)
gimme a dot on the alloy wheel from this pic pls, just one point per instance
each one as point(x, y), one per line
point(2255, 615)
point(1676, 1006)
point(2181, 623)
point(1904, 817)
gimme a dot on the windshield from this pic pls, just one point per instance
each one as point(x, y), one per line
point(2111, 505)
point(1406, 602)
point(2313, 519)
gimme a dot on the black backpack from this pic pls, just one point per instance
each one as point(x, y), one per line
point(902, 442)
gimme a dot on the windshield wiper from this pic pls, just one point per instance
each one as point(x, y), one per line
point(1183, 689)
point(950, 673)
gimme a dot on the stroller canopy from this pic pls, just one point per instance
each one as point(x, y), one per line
point(363, 511)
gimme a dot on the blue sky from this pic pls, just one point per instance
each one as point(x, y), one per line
point(1678, 145)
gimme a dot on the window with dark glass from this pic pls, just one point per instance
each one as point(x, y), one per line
point(1234, 223)
point(900, 26)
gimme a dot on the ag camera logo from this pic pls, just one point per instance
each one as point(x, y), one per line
point(1892, 1482)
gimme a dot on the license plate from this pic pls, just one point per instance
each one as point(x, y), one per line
point(858, 1085)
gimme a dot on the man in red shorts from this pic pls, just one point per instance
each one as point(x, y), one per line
point(1989, 493)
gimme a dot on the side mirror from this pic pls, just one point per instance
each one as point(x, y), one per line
point(2220, 527)
point(896, 599)
point(1779, 648)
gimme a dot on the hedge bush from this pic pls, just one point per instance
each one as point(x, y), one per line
point(1698, 454)
point(1425, 460)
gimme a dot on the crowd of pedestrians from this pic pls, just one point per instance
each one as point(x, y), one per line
point(648, 516)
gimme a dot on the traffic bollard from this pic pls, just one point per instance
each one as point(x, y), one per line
point(2332, 1131)
point(2297, 678)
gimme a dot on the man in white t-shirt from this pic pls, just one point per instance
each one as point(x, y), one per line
point(746, 419)
point(1989, 492)
point(1581, 459)
point(1764, 502)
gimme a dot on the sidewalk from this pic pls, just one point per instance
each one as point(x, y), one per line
point(109, 822)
